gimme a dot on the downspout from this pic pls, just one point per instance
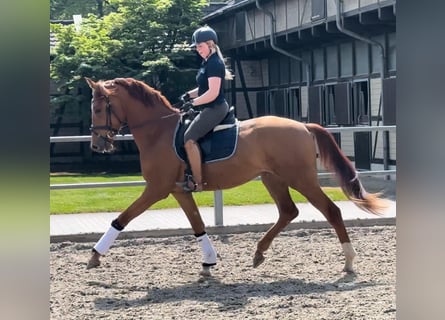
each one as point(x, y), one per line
point(339, 22)
point(274, 47)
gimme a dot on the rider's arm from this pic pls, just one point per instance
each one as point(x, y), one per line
point(211, 94)
point(193, 93)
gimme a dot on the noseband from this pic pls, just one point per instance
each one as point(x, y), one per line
point(111, 132)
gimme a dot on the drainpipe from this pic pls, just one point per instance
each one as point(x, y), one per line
point(339, 22)
point(274, 47)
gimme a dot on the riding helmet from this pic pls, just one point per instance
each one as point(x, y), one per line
point(203, 34)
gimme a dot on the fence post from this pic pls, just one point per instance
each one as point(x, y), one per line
point(218, 202)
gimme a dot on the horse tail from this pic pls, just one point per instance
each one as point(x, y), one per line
point(334, 160)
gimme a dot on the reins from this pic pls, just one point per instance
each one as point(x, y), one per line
point(140, 125)
point(175, 106)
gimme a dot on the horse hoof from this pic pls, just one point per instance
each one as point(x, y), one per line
point(348, 270)
point(93, 263)
point(258, 259)
point(205, 272)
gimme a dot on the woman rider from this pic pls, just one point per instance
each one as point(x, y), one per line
point(208, 96)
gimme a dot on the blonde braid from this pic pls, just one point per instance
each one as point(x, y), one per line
point(229, 75)
point(215, 47)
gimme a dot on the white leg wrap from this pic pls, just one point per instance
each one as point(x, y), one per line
point(208, 251)
point(107, 240)
point(350, 254)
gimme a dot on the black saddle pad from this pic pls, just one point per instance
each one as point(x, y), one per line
point(216, 145)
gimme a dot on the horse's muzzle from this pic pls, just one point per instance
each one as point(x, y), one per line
point(102, 144)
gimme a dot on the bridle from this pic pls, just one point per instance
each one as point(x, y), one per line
point(110, 131)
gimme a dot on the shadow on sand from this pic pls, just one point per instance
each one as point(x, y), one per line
point(227, 296)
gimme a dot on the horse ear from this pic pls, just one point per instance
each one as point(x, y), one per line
point(90, 82)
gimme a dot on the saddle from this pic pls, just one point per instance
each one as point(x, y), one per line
point(219, 144)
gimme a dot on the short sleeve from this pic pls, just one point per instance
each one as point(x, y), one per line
point(216, 68)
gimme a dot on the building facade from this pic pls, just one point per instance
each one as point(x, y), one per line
point(332, 62)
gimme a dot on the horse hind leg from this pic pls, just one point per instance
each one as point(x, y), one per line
point(332, 213)
point(279, 192)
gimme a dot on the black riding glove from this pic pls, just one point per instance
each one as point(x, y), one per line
point(185, 97)
point(186, 106)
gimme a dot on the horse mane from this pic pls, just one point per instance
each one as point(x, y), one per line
point(143, 92)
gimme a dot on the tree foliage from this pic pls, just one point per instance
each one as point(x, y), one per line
point(65, 9)
point(144, 39)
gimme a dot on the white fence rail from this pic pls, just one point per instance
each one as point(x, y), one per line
point(218, 197)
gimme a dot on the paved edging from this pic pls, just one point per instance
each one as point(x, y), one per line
point(160, 233)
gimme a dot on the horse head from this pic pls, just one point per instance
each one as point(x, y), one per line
point(106, 115)
point(124, 102)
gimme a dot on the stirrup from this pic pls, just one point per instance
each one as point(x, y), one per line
point(189, 181)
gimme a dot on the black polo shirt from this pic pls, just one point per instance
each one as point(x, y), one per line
point(213, 67)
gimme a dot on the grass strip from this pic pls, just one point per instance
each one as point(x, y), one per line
point(117, 199)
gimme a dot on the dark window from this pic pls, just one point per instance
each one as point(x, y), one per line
point(295, 71)
point(261, 103)
point(240, 26)
point(306, 56)
point(346, 59)
point(361, 58)
point(332, 62)
point(391, 52)
point(389, 101)
point(294, 103)
point(360, 101)
point(277, 103)
point(376, 65)
point(342, 104)
point(329, 106)
point(284, 70)
point(315, 104)
point(318, 64)
point(274, 71)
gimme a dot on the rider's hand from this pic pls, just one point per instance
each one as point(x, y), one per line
point(186, 106)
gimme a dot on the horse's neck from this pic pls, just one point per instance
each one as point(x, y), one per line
point(139, 115)
point(149, 125)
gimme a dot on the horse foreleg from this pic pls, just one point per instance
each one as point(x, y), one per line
point(104, 244)
point(136, 208)
point(279, 192)
point(191, 210)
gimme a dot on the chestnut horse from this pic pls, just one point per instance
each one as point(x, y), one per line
point(282, 151)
